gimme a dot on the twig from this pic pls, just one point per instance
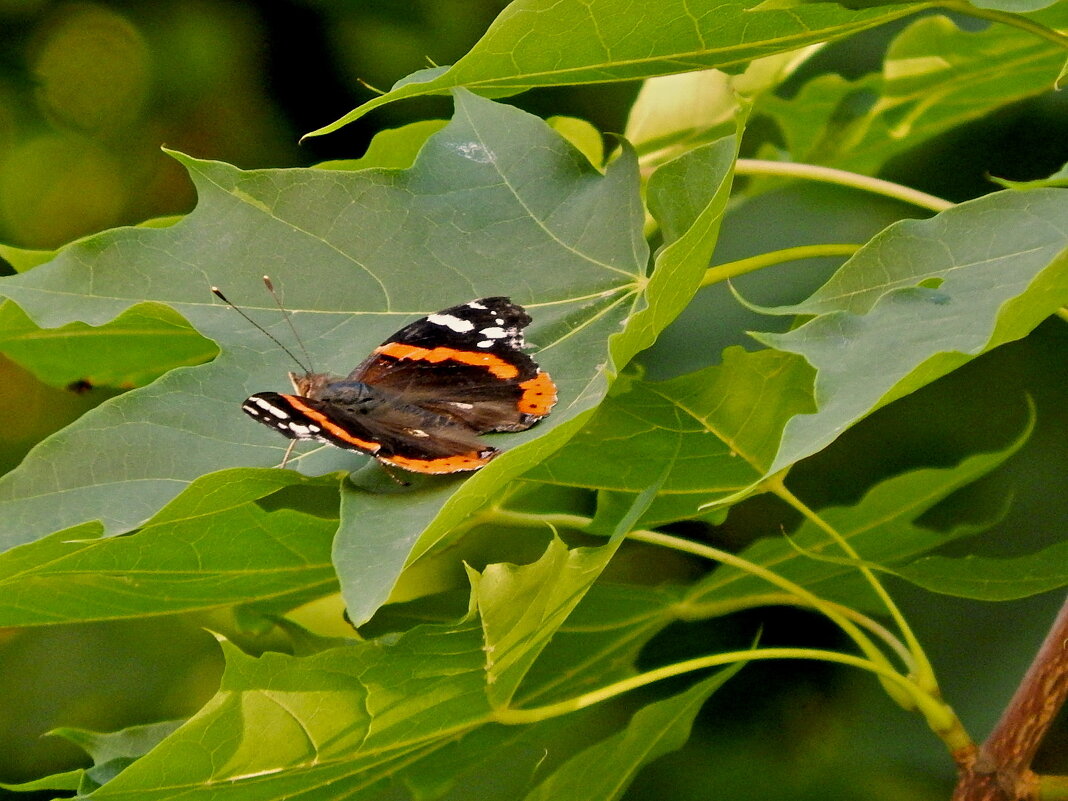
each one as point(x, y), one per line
point(1000, 769)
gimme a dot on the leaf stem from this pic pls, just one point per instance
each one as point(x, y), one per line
point(725, 557)
point(702, 610)
point(1004, 17)
point(922, 670)
point(937, 713)
point(831, 175)
point(732, 269)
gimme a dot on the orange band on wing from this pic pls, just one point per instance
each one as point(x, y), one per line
point(539, 395)
point(446, 464)
point(297, 403)
point(495, 364)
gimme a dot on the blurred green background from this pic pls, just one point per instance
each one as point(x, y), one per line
point(89, 92)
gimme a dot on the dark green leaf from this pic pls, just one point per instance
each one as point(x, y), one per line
point(989, 579)
point(717, 428)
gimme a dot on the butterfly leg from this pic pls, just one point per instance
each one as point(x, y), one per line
point(285, 457)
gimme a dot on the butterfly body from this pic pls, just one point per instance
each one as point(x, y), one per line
point(423, 397)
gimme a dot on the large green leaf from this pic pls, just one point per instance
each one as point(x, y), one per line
point(921, 299)
point(689, 196)
point(553, 42)
point(934, 77)
point(496, 204)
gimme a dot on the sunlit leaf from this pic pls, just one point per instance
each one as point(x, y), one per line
point(549, 43)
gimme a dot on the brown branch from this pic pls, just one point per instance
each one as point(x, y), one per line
point(1000, 769)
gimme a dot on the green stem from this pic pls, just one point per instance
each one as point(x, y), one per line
point(724, 557)
point(873, 654)
point(923, 671)
point(938, 715)
point(703, 610)
point(831, 175)
point(1015, 20)
point(732, 269)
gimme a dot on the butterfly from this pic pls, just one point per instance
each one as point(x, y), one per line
point(422, 398)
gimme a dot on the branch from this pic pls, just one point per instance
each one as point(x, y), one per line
point(1000, 769)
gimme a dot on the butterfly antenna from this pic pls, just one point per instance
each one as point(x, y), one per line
point(289, 320)
point(218, 293)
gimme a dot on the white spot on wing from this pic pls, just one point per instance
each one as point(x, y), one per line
point(485, 343)
point(494, 333)
point(457, 324)
point(474, 304)
point(281, 414)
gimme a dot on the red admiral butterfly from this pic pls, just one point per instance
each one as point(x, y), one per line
point(422, 397)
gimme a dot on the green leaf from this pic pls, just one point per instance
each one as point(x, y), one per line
point(392, 149)
point(717, 428)
point(22, 259)
point(361, 717)
point(584, 136)
point(603, 771)
point(136, 348)
point(688, 197)
point(113, 751)
point(379, 535)
point(523, 606)
point(68, 780)
point(934, 77)
point(215, 545)
point(882, 528)
point(555, 42)
point(358, 254)
point(921, 299)
point(987, 578)
point(1014, 6)
point(1059, 179)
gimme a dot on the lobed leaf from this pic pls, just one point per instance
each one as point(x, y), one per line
point(358, 254)
point(355, 718)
